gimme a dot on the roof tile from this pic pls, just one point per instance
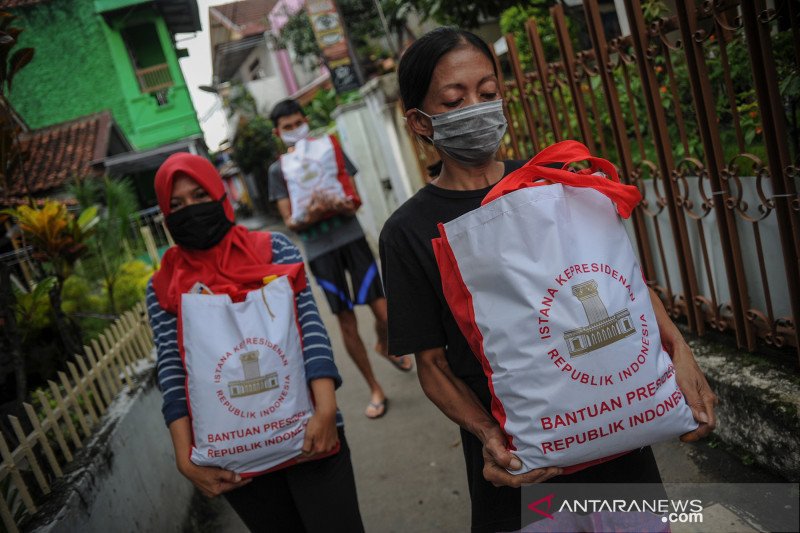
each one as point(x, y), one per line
point(250, 16)
point(55, 154)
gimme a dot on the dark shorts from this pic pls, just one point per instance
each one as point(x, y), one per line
point(500, 508)
point(356, 259)
point(313, 497)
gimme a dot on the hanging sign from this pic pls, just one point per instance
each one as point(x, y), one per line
point(332, 40)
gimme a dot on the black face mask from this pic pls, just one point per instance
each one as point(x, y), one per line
point(199, 226)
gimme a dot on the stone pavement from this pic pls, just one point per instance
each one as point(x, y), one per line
point(410, 469)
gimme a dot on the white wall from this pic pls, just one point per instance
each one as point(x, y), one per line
point(269, 89)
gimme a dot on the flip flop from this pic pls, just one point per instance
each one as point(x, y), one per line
point(384, 404)
point(397, 362)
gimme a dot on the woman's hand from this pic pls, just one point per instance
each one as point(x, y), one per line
point(497, 458)
point(699, 396)
point(211, 481)
point(321, 435)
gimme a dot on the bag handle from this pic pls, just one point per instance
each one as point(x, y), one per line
point(625, 197)
point(264, 296)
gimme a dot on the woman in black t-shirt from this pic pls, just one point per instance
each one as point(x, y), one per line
point(451, 96)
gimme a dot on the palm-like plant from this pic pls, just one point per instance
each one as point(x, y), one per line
point(58, 239)
point(10, 65)
point(10, 155)
point(110, 234)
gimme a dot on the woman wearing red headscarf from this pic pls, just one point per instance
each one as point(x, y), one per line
point(229, 259)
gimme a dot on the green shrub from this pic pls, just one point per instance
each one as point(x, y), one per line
point(132, 284)
point(513, 20)
point(77, 297)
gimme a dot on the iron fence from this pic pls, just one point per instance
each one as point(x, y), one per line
point(694, 108)
point(698, 109)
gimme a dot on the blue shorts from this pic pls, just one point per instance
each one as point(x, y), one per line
point(330, 271)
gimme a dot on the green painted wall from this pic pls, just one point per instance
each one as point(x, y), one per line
point(72, 73)
point(82, 66)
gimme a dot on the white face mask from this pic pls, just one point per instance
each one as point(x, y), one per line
point(290, 138)
point(471, 135)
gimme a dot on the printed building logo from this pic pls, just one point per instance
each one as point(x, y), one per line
point(602, 329)
point(253, 382)
point(311, 170)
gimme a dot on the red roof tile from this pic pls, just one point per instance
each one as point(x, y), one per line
point(55, 154)
point(248, 17)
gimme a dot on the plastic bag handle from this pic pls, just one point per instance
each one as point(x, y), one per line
point(625, 197)
point(266, 304)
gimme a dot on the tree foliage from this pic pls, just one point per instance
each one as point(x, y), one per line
point(254, 147)
point(513, 20)
point(468, 14)
point(362, 19)
point(10, 65)
point(239, 100)
point(363, 25)
point(108, 245)
point(58, 239)
point(298, 35)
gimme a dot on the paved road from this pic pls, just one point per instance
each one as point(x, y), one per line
point(410, 469)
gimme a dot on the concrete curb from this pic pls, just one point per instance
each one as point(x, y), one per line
point(118, 481)
point(759, 406)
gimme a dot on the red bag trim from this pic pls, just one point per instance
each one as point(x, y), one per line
point(343, 176)
point(625, 197)
point(460, 301)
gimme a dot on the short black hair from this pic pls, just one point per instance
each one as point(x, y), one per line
point(418, 62)
point(285, 108)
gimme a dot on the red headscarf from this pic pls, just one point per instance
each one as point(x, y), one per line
point(234, 266)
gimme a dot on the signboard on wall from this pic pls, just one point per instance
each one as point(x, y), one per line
point(332, 39)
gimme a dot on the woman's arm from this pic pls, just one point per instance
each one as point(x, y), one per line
point(321, 435)
point(317, 351)
point(458, 402)
point(321, 372)
point(209, 480)
point(171, 380)
point(171, 373)
point(699, 396)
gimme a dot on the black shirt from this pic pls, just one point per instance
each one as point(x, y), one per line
point(419, 318)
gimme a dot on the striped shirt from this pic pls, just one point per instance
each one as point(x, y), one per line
point(317, 351)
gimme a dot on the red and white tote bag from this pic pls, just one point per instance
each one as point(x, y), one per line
point(544, 284)
point(316, 166)
point(246, 382)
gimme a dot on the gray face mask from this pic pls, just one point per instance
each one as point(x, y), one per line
point(470, 135)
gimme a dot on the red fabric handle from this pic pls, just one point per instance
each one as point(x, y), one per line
point(625, 197)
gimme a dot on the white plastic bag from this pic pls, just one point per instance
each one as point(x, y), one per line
point(246, 382)
point(315, 168)
point(545, 286)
